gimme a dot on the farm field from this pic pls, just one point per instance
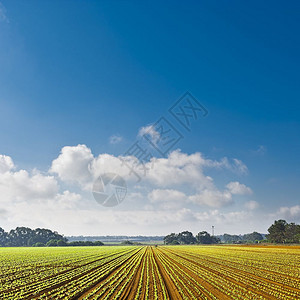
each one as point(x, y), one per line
point(147, 272)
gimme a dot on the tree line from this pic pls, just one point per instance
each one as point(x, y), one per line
point(187, 238)
point(283, 232)
point(253, 237)
point(279, 232)
point(203, 237)
point(40, 237)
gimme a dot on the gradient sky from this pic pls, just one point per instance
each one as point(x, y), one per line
point(94, 73)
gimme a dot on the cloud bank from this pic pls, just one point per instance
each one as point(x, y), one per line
point(176, 192)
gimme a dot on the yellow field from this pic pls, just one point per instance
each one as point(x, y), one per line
point(165, 272)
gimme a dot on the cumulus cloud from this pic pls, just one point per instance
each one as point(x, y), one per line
point(6, 163)
point(78, 164)
point(218, 217)
point(106, 163)
point(74, 164)
point(21, 185)
point(161, 197)
point(177, 168)
point(251, 205)
point(290, 213)
point(150, 132)
point(237, 188)
point(66, 200)
point(212, 198)
point(166, 195)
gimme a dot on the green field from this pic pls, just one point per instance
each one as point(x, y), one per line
point(148, 272)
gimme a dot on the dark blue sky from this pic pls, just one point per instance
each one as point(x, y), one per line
point(78, 72)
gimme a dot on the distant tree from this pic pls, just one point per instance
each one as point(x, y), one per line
point(44, 235)
point(169, 239)
point(61, 243)
point(204, 237)
point(277, 232)
point(216, 240)
point(3, 237)
point(76, 243)
point(291, 233)
point(51, 243)
point(88, 243)
point(229, 238)
point(38, 245)
point(84, 243)
point(283, 232)
point(186, 238)
point(297, 238)
point(127, 243)
point(253, 237)
point(174, 242)
point(24, 236)
point(19, 236)
point(98, 243)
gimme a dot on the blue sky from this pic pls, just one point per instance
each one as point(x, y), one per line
point(81, 72)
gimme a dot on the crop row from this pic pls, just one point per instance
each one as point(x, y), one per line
point(164, 272)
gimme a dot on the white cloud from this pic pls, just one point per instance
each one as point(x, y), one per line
point(150, 133)
point(160, 199)
point(237, 188)
point(77, 164)
point(93, 220)
point(6, 164)
point(240, 167)
point(215, 216)
point(74, 164)
point(3, 212)
point(67, 200)
point(167, 195)
point(212, 198)
point(115, 139)
point(251, 205)
point(290, 213)
point(20, 185)
point(109, 163)
point(236, 165)
point(179, 168)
